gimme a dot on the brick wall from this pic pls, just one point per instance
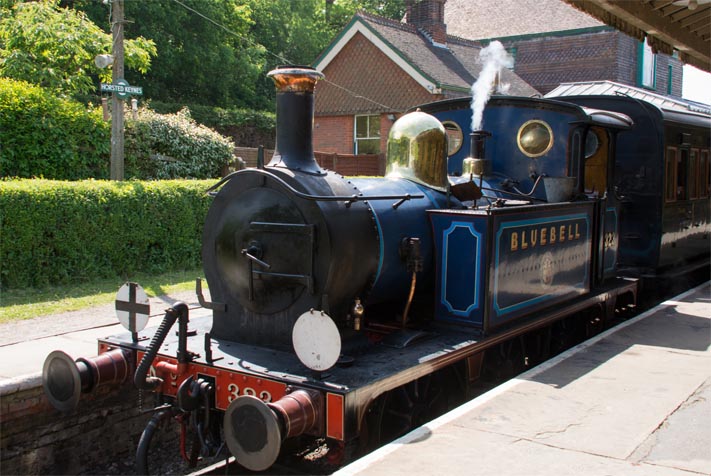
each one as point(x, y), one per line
point(37, 439)
point(363, 71)
point(628, 52)
point(429, 16)
point(546, 61)
point(333, 134)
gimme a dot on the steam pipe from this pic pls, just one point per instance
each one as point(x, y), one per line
point(178, 311)
point(477, 144)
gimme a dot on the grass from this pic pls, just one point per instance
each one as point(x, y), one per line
point(18, 304)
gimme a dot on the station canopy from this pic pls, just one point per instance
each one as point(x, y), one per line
point(668, 25)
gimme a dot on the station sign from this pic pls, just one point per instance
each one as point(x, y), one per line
point(122, 89)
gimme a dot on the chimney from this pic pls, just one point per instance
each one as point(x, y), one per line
point(428, 16)
point(295, 118)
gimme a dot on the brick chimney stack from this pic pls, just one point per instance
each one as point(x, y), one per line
point(428, 15)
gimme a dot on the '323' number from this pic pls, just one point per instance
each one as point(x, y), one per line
point(235, 392)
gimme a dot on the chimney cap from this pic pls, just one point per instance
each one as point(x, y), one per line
point(295, 78)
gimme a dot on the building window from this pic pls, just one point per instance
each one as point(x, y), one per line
point(670, 77)
point(647, 66)
point(367, 135)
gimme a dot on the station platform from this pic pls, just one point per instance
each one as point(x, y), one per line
point(634, 400)
point(24, 345)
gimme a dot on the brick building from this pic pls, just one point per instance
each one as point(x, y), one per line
point(376, 69)
point(552, 43)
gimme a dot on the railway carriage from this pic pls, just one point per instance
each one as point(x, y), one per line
point(662, 180)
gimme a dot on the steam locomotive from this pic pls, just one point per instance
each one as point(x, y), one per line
point(347, 311)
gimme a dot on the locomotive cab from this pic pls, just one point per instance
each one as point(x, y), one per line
point(545, 226)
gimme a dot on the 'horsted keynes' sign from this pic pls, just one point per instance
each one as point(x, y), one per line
point(122, 89)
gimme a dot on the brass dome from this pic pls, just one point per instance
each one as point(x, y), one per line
point(417, 150)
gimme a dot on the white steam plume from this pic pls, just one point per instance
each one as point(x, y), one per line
point(494, 57)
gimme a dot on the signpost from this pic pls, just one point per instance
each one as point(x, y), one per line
point(122, 89)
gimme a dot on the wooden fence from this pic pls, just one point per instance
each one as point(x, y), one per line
point(344, 164)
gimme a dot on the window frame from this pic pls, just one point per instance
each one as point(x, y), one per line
point(367, 137)
point(670, 168)
point(644, 50)
point(705, 174)
point(694, 175)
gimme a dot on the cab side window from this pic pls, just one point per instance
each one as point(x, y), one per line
point(670, 170)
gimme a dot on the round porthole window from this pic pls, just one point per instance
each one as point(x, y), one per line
point(455, 137)
point(592, 144)
point(535, 138)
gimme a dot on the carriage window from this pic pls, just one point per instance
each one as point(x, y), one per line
point(704, 174)
point(670, 175)
point(592, 144)
point(535, 138)
point(455, 137)
point(695, 174)
point(596, 162)
point(682, 178)
point(367, 135)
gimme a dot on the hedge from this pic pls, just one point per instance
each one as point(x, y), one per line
point(54, 232)
point(218, 117)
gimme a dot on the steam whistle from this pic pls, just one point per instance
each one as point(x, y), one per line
point(476, 163)
point(65, 379)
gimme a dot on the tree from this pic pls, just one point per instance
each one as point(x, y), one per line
point(205, 52)
point(54, 47)
point(340, 11)
point(217, 52)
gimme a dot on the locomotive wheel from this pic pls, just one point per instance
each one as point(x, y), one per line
point(407, 407)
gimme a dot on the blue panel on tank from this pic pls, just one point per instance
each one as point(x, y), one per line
point(459, 246)
point(395, 224)
point(540, 257)
point(498, 265)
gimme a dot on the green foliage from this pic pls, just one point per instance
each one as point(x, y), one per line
point(219, 117)
point(65, 232)
point(44, 135)
point(164, 146)
point(55, 47)
point(218, 52)
point(204, 52)
point(339, 12)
